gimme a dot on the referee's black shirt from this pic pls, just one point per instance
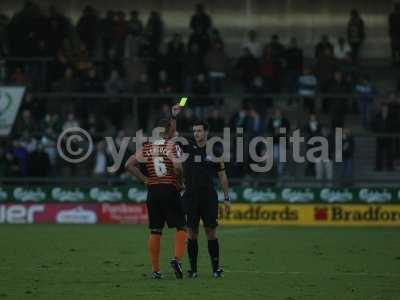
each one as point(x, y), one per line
point(199, 170)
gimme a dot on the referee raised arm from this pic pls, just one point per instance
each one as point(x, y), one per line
point(200, 198)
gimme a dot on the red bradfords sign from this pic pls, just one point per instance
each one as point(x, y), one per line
point(123, 214)
point(48, 213)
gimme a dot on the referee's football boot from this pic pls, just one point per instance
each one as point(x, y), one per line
point(218, 273)
point(191, 274)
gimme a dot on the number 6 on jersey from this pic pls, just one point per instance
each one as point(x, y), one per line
point(159, 166)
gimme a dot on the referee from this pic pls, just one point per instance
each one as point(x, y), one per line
point(200, 198)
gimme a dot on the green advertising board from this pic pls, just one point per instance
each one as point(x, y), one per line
point(137, 193)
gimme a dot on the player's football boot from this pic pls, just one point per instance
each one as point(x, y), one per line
point(192, 274)
point(156, 275)
point(177, 267)
point(218, 273)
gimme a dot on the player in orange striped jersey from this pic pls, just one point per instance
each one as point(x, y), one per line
point(162, 177)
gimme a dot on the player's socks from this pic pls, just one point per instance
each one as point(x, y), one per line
point(180, 240)
point(213, 250)
point(154, 250)
point(193, 249)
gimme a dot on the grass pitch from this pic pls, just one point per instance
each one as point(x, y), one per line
point(111, 262)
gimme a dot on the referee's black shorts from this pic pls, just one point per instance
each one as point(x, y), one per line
point(164, 205)
point(201, 204)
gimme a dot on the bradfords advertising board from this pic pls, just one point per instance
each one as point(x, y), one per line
point(312, 215)
point(10, 101)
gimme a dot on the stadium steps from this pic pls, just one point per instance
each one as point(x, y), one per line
point(364, 161)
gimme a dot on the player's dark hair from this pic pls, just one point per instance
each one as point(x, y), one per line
point(201, 123)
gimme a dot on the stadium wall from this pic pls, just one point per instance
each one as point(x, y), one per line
point(240, 214)
point(305, 19)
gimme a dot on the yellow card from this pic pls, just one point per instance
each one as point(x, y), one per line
point(182, 103)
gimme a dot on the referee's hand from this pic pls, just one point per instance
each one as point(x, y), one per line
point(227, 207)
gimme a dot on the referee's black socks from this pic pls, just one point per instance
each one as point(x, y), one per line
point(213, 250)
point(193, 249)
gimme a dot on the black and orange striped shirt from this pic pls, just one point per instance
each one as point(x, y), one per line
point(158, 160)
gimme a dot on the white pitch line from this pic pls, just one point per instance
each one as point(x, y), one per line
point(311, 273)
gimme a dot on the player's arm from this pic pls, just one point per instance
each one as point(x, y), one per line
point(223, 179)
point(175, 110)
point(132, 166)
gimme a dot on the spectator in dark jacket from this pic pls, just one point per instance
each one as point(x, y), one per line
point(294, 63)
point(20, 153)
point(355, 33)
point(338, 102)
point(135, 25)
point(155, 31)
point(394, 33)
point(193, 66)
point(347, 154)
point(201, 92)
point(107, 28)
point(174, 60)
point(87, 28)
point(12, 167)
point(278, 127)
point(201, 39)
point(322, 46)
point(366, 93)
point(383, 123)
point(325, 67)
point(311, 129)
point(278, 50)
point(270, 70)
point(248, 68)
point(38, 162)
point(217, 64)
point(200, 20)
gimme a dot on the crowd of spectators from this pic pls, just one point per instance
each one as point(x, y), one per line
point(118, 54)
